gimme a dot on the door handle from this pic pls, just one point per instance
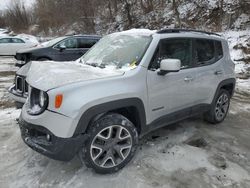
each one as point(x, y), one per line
point(218, 72)
point(188, 79)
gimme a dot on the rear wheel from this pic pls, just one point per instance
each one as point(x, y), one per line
point(111, 145)
point(219, 109)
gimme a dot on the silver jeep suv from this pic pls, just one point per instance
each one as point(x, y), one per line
point(128, 84)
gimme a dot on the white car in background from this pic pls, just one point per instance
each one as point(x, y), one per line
point(10, 45)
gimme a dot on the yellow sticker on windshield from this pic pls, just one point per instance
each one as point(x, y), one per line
point(133, 64)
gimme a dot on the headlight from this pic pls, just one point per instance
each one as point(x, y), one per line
point(37, 101)
point(42, 98)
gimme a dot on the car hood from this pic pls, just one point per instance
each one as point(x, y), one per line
point(23, 71)
point(48, 74)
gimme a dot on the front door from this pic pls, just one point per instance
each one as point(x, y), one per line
point(67, 50)
point(174, 91)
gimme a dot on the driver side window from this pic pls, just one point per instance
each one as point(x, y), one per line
point(68, 43)
point(173, 49)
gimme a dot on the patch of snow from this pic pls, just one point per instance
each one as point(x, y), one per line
point(242, 19)
point(7, 115)
point(142, 32)
point(238, 38)
point(212, 4)
point(28, 38)
point(48, 74)
point(244, 85)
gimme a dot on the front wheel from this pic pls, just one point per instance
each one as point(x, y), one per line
point(219, 109)
point(111, 145)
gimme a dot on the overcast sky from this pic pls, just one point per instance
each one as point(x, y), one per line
point(5, 3)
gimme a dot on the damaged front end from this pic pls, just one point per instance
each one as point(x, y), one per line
point(43, 141)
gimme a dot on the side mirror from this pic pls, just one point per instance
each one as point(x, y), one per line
point(61, 47)
point(169, 65)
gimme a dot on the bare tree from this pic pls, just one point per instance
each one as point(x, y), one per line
point(127, 9)
point(147, 6)
point(176, 12)
point(17, 17)
point(221, 14)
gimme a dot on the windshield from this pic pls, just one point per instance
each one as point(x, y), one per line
point(118, 50)
point(53, 41)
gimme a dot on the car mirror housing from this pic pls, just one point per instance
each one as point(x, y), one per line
point(169, 65)
point(62, 47)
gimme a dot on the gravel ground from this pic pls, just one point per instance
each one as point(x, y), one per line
point(190, 154)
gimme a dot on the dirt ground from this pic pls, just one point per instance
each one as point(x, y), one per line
point(188, 154)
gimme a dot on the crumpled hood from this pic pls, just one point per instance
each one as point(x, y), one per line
point(23, 71)
point(48, 74)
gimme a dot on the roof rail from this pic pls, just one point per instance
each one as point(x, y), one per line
point(185, 30)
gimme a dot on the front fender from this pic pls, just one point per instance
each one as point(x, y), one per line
point(92, 112)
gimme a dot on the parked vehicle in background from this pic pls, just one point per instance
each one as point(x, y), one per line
point(59, 49)
point(127, 85)
point(3, 31)
point(67, 48)
point(19, 90)
point(10, 45)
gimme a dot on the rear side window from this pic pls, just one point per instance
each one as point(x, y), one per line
point(219, 50)
point(86, 43)
point(173, 49)
point(205, 52)
point(14, 40)
point(5, 40)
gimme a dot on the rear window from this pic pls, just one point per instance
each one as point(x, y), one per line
point(86, 43)
point(16, 40)
point(205, 52)
point(219, 50)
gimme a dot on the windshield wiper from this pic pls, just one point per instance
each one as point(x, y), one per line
point(102, 66)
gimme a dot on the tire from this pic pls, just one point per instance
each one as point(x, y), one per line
point(219, 109)
point(111, 145)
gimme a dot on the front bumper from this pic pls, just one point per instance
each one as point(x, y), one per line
point(36, 137)
point(16, 96)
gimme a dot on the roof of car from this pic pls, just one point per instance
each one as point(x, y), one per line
point(173, 32)
point(83, 35)
point(176, 30)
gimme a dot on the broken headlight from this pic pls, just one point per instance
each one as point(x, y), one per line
point(37, 101)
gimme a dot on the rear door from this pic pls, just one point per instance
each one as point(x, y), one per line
point(177, 90)
point(84, 44)
point(208, 57)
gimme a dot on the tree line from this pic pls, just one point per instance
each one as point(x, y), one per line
point(105, 16)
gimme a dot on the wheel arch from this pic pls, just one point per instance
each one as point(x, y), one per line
point(131, 108)
point(228, 84)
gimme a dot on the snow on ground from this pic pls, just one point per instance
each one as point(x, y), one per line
point(238, 40)
point(7, 72)
point(189, 154)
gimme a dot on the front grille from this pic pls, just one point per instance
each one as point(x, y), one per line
point(26, 87)
point(21, 85)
